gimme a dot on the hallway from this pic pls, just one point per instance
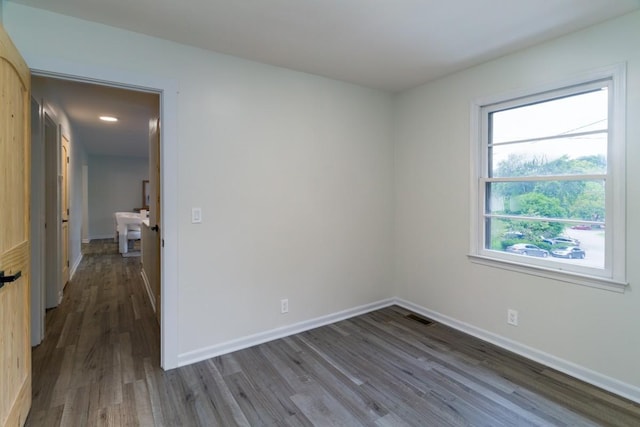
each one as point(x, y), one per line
point(101, 347)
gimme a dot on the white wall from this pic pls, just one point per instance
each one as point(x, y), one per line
point(293, 173)
point(115, 185)
point(592, 328)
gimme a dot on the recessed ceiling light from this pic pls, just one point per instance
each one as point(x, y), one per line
point(108, 119)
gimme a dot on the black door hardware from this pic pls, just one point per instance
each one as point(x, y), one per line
point(8, 279)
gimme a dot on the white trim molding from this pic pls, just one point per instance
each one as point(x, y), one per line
point(587, 375)
point(147, 286)
point(561, 276)
point(277, 333)
point(76, 263)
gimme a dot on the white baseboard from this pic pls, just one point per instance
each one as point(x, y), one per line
point(75, 266)
point(147, 286)
point(580, 372)
point(273, 334)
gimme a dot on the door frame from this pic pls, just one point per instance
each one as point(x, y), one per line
point(168, 92)
point(53, 230)
point(65, 265)
point(45, 218)
point(38, 218)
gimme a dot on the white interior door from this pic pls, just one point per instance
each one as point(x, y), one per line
point(64, 205)
point(155, 214)
point(53, 272)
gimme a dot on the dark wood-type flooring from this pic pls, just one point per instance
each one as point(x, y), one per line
point(99, 365)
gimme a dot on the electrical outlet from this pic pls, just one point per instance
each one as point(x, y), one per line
point(512, 317)
point(284, 306)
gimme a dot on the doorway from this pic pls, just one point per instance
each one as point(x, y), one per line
point(61, 125)
point(45, 66)
point(46, 254)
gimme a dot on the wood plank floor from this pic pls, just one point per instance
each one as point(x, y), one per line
point(99, 365)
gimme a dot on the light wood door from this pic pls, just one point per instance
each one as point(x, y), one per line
point(155, 213)
point(15, 348)
point(64, 203)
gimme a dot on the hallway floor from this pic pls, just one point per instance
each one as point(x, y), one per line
point(101, 347)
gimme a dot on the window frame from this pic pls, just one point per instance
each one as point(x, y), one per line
point(613, 275)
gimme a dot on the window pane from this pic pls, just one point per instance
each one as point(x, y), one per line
point(577, 113)
point(502, 233)
point(575, 200)
point(586, 154)
point(579, 245)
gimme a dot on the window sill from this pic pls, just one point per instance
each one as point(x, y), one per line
point(563, 276)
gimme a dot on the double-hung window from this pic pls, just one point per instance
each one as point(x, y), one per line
point(549, 193)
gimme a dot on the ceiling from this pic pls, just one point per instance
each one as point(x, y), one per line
point(84, 103)
point(386, 44)
point(390, 45)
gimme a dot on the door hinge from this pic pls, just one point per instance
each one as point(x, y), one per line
point(163, 243)
point(67, 263)
point(67, 211)
point(67, 159)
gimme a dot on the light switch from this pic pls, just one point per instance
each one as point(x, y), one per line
point(196, 215)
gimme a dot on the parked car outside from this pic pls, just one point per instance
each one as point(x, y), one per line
point(514, 235)
point(562, 240)
point(566, 240)
point(569, 252)
point(581, 227)
point(528, 249)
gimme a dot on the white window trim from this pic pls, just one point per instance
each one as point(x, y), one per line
point(614, 274)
